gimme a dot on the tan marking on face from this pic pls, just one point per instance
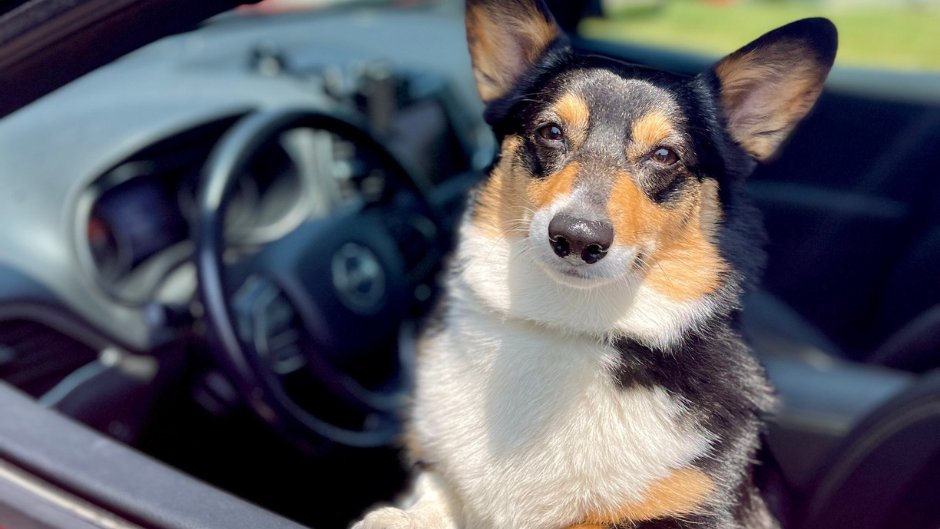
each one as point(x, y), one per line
point(511, 195)
point(575, 115)
point(504, 41)
point(761, 92)
point(495, 199)
point(648, 132)
point(543, 192)
point(690, 266)
point(682, 261)
point(633, 214)
point(680, 493)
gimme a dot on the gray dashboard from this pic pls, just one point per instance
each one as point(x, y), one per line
point(53, 150)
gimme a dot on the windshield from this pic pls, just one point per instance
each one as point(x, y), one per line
point(887, 35)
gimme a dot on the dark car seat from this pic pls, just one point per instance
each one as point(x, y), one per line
point(886, 473)
point(857, 444)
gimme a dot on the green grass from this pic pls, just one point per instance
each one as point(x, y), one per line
point(900, 37)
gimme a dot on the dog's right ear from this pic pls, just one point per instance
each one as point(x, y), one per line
point(506, 37)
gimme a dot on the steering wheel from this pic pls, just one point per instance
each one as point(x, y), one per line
point(313, 328)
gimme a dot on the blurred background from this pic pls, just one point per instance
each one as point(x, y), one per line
point(879, 34)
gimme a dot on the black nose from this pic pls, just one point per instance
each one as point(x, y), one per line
point(589, 239)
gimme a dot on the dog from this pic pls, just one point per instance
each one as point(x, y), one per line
point(584, 369)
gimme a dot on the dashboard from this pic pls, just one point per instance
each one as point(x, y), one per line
point(101, 176)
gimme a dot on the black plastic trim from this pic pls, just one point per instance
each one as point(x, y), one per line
point(114, 477)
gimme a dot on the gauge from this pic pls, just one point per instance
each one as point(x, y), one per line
point(131, 222)
point(111, 259)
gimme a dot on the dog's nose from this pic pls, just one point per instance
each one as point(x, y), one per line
point(588, 239)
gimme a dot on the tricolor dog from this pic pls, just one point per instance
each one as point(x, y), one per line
point(584, 369)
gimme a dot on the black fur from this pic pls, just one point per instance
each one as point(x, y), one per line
point(726, 391)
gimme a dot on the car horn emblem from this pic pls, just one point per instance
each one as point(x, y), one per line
point(358, 278)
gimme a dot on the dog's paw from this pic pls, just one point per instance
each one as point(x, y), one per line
point(387, 518)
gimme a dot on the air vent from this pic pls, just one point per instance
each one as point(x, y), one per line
point(35, 357)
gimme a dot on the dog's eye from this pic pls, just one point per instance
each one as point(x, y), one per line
point(551, 134)
point(664, 156)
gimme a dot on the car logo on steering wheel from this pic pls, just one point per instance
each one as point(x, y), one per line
point(358, 278)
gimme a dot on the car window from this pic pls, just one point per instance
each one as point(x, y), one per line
point(891, 34)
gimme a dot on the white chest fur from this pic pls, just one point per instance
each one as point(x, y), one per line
point(532, 431)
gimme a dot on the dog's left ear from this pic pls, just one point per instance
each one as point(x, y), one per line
point(506, 37)
point(768, 86)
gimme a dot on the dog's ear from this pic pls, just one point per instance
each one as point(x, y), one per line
point(505, 38)
point(768, 86)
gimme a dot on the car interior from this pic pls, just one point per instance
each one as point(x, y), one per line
point(222, 225)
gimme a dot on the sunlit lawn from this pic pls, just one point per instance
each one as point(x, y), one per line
point(899, 37)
